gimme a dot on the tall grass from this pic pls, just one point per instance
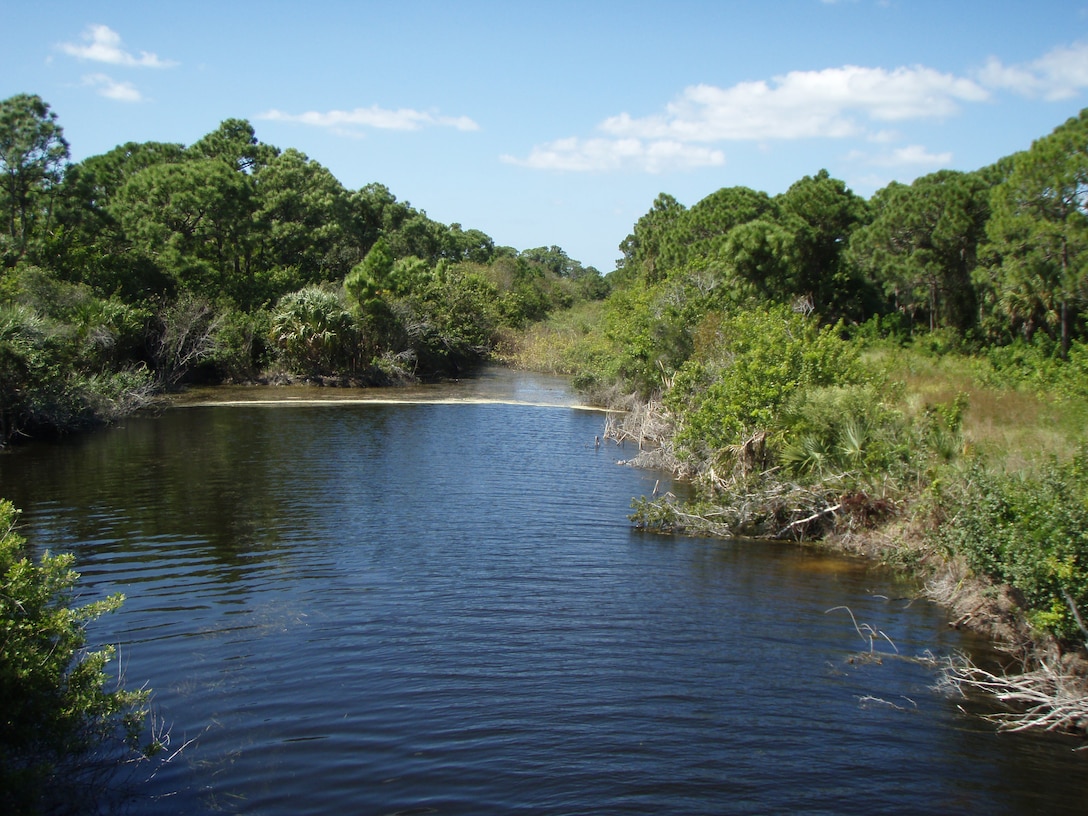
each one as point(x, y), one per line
point(1012, 425)
point(564, 343)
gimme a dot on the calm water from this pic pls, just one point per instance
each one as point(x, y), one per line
point(441, 608)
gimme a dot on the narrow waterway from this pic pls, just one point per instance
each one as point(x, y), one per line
point(433, 602)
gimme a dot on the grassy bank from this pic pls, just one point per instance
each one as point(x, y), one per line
point(1010, 424)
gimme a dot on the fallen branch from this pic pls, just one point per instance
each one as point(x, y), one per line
point(813, 517)
point(1044, 698)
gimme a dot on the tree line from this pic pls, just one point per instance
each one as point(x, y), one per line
point(989, 256)
point(230, 259)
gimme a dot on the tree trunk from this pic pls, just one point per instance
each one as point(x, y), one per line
point(1065, 329)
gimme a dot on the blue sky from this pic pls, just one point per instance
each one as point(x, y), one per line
point(559, 122)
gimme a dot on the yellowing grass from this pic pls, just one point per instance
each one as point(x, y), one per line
point(555, 345)
point(1008, 425)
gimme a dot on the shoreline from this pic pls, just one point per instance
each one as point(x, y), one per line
point(1046, 685)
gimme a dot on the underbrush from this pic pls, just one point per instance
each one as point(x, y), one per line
point(565, 343)
point(1026, 530)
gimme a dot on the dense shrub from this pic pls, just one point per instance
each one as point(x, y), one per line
point(1029, 531)
point(746, 369)
point(314, 331)
point(842, 428)
point(1038, 365)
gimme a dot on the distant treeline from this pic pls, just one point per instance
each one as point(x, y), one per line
point(230, 259)
point(986, 257)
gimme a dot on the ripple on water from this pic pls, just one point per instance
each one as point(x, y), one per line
point(442, 608)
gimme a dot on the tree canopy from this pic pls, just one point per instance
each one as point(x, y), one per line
point(159, 262)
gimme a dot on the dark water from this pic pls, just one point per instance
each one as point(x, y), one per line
point(442, 608)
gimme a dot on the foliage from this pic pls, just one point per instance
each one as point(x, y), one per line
point(194, 219)
point(1039, 233)
point(370, 282)
point(1039, 366)
point(448, 324)
point(644, 247)
point(315, 331)
point(788, 249)
point(745, 368)
point(564, 343)
point(842, 429)
point(240, 346)
point(300, 215)
point(58, 708)
point(1027, 530)
point(56, 374)
point(922, 246)
point(821, 214)
point(32, 154)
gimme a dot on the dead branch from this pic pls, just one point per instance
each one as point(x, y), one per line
point(866, 631)
point(827, 510)
point(1045, 698)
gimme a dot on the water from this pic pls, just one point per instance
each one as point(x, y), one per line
point(375, 608)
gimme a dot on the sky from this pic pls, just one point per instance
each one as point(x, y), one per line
point(558, 123)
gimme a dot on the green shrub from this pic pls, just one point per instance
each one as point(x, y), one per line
point(1029, 531)
point(842, 428)
point(739, 380)
point(57, 710)
point(1039, 366)
point(314, 331)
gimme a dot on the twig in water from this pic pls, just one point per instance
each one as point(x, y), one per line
point(868, 698)
point(865, 630)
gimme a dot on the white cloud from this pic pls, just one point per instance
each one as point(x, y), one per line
point(103, 44)
point(111, 89)
point(835, 103)
point(1058, 74)
point(373, 117)
point(600, 155)
point(802, 105)
point(911, 156)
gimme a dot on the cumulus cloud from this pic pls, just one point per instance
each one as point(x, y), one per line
point(373, 117)
point(111, 89)
point(102, 44)
point(1058, 74)
point(832, 103)
point(616, 154)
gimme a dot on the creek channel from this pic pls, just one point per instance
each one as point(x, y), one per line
point(431, 600)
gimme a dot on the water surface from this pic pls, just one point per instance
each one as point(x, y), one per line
point(441, 607)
